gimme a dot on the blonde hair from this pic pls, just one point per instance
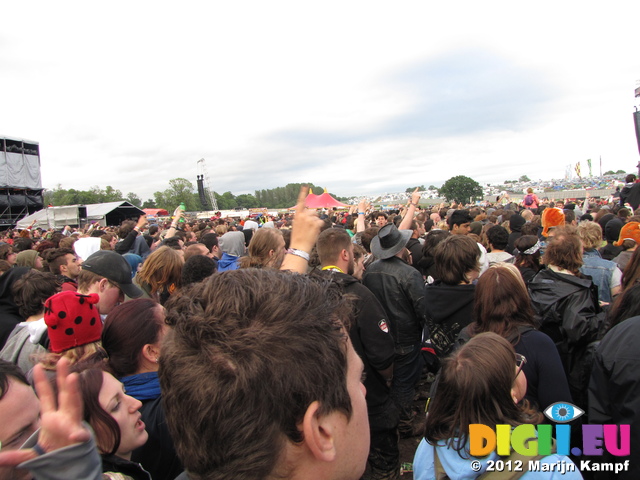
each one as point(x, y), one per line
point(590, 233)
point(75, 355)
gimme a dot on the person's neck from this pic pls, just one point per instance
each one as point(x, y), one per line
point(125, 456)
point(334, 265)
point(35, 318)
point(147, 367)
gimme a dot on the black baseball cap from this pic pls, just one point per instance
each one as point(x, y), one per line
point(113, 267)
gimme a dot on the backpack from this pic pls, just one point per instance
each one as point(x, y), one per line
point(528, 200)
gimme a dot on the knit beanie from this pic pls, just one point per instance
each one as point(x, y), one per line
point(516, 222)
point(72, 320)
point(612, 229)
point(551, 217)
point(631, 230)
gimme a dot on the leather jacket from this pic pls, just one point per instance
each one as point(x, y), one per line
point(567, 310)
point(400, 289)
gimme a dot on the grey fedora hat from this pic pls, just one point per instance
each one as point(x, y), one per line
point(389, 241)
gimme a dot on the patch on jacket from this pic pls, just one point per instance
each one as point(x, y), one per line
point(383, 326)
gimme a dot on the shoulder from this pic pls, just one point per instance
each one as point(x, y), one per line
point(538, 338)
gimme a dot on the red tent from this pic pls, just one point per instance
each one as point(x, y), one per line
point(322, 201)
point(155, 212)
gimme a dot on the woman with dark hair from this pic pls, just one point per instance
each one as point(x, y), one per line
point(481, 383)
point(132, 336)
point(527, 253)
point(567, 308)
point(449, 300)
point(426, 264)
point(502, 306)
point(625, 306)
point(115, 419)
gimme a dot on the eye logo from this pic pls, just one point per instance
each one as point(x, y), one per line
point(563, 412)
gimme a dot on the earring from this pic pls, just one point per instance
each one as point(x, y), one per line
point(157, 359)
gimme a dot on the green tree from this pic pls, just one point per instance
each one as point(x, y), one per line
point(433, 187)
point(226, 201)
point(283, 197)
point(247, 201)
point(411, 189)
point(461, 189)
point(621, 171)
point(609, 172)
point(180, 191)
point(112, 195)
point(149, 204)
point(133, 199)
point(524, 178)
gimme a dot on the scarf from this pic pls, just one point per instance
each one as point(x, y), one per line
point(143, 386)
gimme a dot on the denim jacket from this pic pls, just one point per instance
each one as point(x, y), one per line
point(600, 271)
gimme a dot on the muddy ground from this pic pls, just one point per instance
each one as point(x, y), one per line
point(408, 446)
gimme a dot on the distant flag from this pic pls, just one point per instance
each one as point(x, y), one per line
point(589, 163)
point(578, 170)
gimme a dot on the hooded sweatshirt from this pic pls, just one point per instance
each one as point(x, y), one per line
point(232, 246)
point(449, 309)
point(461, 468)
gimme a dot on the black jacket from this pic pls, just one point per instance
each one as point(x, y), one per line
point(449, 308)
point(370, 336)
point(112, 463)
point(614, 388)
point(415, 247)
point(567, 310)
point(158, 455)
point(631, 195)
point(400, 289)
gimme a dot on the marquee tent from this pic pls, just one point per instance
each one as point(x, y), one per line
point(322, 201)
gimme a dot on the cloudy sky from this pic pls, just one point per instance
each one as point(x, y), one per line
point(361, 97)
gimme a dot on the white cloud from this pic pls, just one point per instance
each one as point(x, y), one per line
point(132, 94)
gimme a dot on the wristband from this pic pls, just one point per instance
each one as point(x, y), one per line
point(360, 213)
point(299, 253)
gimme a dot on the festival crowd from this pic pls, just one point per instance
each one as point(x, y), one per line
point(293, 346)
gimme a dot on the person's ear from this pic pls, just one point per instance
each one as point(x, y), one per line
point(151, 352)
point(344, 255)
point(102, 285)
point(319, 433)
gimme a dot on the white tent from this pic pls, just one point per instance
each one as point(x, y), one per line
point(111, 213)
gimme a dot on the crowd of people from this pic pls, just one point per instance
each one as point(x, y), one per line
point(293, 347)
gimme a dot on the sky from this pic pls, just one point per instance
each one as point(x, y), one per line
point(359, 97)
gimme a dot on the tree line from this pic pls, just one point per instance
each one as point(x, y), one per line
point(181, 190)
